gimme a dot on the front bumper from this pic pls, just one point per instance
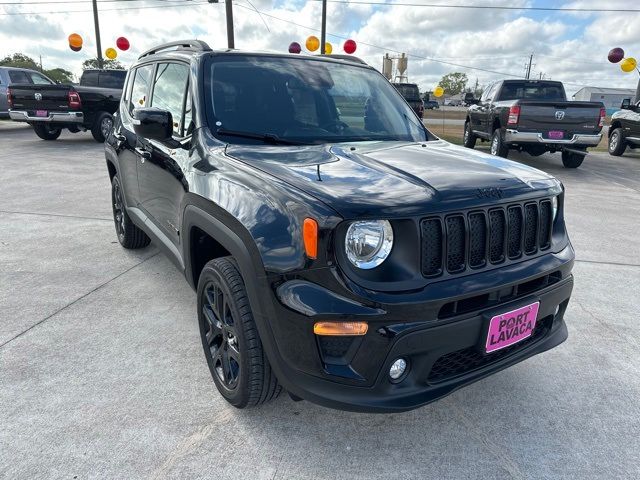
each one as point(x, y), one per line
point(52, 117)
point(442, 352)
point(514, 136)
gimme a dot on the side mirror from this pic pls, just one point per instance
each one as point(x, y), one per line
point(469, 99)
point(153, 124)
point(626, 104)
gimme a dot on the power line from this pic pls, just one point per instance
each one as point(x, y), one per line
point(486, 7)
point(142, 7)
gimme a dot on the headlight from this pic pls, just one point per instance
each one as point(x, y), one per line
point(368, 243)
point(554, 209)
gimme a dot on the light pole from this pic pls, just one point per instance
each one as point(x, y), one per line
point(229, 12)
point(96, 23)
point(323, 31)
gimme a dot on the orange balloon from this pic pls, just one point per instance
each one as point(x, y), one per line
point(75, 40)
point(312, 43)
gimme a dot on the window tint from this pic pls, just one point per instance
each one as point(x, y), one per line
point(532, 91)
point(18, 76)
point(140, 88)
point(112, 79)
point(89, 79)
point(169, 89)
point(38, 79)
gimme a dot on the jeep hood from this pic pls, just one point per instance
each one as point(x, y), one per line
point(396, 179)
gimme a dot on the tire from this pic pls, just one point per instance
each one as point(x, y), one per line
point(232, 345)
point(102, 126)
point(572, 159)
point(46, 132)
point(129, 235)
point(617, 143)
point(469, 139)
point(498, 147)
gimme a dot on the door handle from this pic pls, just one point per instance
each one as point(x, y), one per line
point(143, 154)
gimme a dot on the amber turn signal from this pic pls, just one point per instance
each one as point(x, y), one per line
point(310, 237)
point(340, 328)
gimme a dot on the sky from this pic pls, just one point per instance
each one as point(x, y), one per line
point(486, 44)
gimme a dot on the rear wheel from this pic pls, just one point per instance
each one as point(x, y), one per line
point(129, 235)
point(617, 144)
point(102, 126)
point(46, 132)
point(469, 137)
point(572, 159)
point(232, 346)
point(498, 147)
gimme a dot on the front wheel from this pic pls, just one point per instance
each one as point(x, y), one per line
point(617, 144)
point(572, 159)
point(46, 132)
point(102, 126)
point(498, 147)
point(232, 345)
point(469, 139)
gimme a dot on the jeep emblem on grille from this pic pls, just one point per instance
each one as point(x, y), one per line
point(491, 192)
point(559, 115)
point(38, 96)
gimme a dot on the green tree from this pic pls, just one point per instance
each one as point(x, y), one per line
point(92, 64)
point(454, 83)
point(59, 75)
point(19, 60)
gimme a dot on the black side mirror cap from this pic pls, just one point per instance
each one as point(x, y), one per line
point(626, 104)
point(153, 124)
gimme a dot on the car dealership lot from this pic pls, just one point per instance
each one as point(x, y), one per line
point(102, 373)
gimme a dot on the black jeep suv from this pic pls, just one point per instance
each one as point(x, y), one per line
point(339, 250)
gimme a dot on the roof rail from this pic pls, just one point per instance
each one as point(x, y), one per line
point(348, 58)
point(188, 45)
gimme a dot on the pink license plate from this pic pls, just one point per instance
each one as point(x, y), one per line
point(511, 327)
point(42, 113)
point(556, 134)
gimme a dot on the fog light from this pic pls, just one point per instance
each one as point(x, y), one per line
point(397, 368)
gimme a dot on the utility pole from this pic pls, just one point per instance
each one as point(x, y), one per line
point(229, 11)
point(323, 31)
point(529, 67)
point(96, 23)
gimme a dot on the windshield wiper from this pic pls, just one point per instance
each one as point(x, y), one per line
point(265, 137)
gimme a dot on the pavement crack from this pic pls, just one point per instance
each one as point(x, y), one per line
point(79, 217)
point(619, 264)
point(77, 300)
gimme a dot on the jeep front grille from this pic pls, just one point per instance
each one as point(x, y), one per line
point(457, 242)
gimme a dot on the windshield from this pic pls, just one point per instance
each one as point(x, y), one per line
point(304, 101)
point(532, 91)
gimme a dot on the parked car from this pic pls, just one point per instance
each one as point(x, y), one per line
point(354, 260)
point(431, 104)
point(534, 116)
point(18, 75)
point(411, 94)
point(624, 130)
point(49, 108)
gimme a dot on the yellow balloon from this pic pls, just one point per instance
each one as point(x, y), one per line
point(438, 91)
point(328, 48)
point(628, 64)
point(111, 53)
point(312, 43)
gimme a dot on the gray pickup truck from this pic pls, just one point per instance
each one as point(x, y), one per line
point(52, 107)
point(534, 116)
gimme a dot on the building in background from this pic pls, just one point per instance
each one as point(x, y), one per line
point(611, 97)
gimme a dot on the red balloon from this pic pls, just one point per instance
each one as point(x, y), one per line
point(123, 44)
point(295, 47)
point(350, 46)
point(615, 55)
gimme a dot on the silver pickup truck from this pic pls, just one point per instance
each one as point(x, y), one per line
point(534, 116)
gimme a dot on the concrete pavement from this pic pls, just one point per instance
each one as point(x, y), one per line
point(102, 373)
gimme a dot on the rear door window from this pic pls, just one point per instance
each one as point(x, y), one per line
point(39, 79)
point(18, 76)
point(140, 89)
point(169, 91)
